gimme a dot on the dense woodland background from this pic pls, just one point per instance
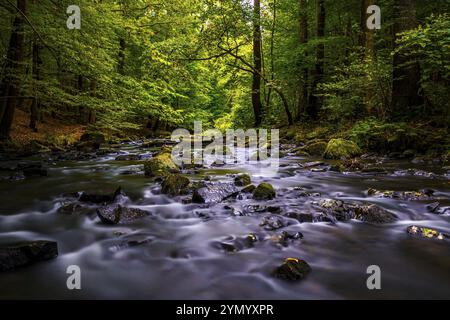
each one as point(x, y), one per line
point(308, 66)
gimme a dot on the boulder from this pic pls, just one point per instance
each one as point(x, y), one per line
point(175, 185)
point(264, 191)
point(93, 136)
point(26, 253)
point(373, 214)
point(100, 198)
point(160, 166)
point(340, 148)
point(272, 222)
point(214, 192)
point(366, 212)
point(337, 209)
point(116, 214)
point(128, 157)
point(242, 180)
point(292, 269)
point(315, 148)
point(425, 194)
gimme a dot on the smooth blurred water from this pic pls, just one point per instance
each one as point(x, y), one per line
point(179, 259)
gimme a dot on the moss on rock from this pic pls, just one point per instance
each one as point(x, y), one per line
point(242, 180)
point(264, 191)
point(175, 185)
point(160, 166)
point(340, 148)
point(316, 148)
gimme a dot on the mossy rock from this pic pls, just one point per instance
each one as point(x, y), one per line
point(160, 166)
point(316, 148)
point(340, 148)
point(290, 134)
point(242, 180)
point(175, 185)
point(93, 136)
point(264, 191)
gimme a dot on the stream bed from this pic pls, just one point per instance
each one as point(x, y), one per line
point(192, 251)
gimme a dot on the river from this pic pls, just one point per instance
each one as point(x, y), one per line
point(179, 257)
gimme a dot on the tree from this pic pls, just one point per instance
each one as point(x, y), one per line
point(315, 102)
point(257, 63)
point(303, 39)
point(11, 81)
point(406, 75)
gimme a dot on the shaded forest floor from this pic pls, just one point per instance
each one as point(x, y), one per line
point(49, 130)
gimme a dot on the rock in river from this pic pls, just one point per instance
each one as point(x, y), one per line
point(26, 253)
point(242, 180)
point(175, 185)
point(425, 194)
point(292, 269)
point(214, 192)
point(373, 214)
point(264, 191)
point(428, 233)
point(161, 165)
point(340, 148)
point(128, 157)
point(344, 211)
point(272, 222)
point(117, 214)
point(100, 198)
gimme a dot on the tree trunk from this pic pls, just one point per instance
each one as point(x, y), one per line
point(92, 115)
point(315, 103)
point(303, 83)
point(406, 78)
point(272, 58)
point(11, 83)
point(35, 105)
point(121, 64)
point(367, 42)
point(257, 45)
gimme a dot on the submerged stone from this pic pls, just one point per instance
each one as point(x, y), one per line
point(72, 208)
point(127, 241)
point(128, 157)
point(26, 253)
point(100, 198)
point(292, 269)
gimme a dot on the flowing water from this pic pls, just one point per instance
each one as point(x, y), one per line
point(180, 259)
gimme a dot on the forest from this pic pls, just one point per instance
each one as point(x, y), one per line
point(91, 90)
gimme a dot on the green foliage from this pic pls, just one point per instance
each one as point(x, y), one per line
point(430, 44)
point(377, 135)
point(360, 88)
